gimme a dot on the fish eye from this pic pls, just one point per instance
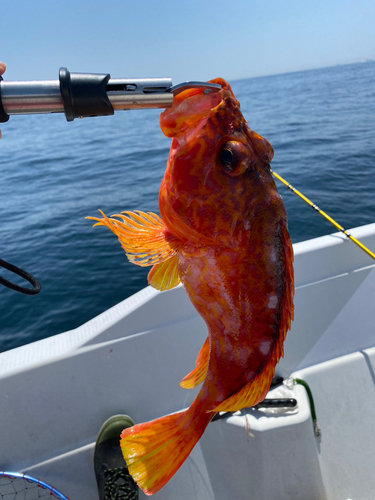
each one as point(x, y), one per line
point(234, 158)
point(227, 159)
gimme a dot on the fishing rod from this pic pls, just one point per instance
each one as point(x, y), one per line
point(326, 216)
point(80, 95)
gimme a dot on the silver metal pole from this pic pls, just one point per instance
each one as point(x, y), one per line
point(33, 97)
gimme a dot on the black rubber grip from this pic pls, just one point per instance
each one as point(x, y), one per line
point(84, 94)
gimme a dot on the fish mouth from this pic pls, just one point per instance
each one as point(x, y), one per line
point(189, 108)
point(192, 108)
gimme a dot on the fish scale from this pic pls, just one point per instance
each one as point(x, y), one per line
point(223, 234)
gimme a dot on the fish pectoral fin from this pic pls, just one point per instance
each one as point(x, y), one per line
point(197, 376)
point(142, 235)
point(164, 276)
point(252, 393)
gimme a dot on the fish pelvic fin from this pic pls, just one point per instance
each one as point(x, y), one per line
point(197, 376)
point(155, 450)
point(147, 242)
point(164, 276)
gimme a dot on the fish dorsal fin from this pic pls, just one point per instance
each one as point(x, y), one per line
point(142, 235)
point(256, 390)
point(252, 393)
point(197, 376)
point(164, 276)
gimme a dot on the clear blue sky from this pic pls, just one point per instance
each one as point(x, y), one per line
point(185, 40)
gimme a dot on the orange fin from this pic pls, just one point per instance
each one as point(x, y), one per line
point(252, 393)
point(142, 235)
point(155, 450)
point(197, 376)
point(164, 276)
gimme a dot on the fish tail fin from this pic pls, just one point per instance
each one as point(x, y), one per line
point(155, 450)
point(147, 242)
point(197, 376)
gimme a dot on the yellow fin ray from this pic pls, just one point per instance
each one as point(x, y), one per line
point(197, 376)
point(143, 236)
point(252, 393)
point(155, 450)
point(164, 276)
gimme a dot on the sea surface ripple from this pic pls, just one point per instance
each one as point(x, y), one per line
point(321, 124)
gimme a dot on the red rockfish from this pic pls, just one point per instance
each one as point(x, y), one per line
point(223, 234)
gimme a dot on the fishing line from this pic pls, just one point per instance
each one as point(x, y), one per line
point(326, 216)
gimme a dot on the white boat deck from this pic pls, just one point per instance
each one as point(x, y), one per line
point(56, 393)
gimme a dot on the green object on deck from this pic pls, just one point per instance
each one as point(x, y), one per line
point(317, 431)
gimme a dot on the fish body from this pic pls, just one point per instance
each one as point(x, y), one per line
point(223, 234)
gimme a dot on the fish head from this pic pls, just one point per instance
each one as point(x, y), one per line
point(217, 171)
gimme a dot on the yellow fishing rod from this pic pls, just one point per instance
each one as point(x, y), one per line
point(326, 216)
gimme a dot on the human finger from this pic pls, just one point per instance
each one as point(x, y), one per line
point(3, 67)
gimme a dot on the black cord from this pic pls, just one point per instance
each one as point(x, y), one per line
point(25, 275)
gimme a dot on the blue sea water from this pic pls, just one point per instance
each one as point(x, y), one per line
point(321, 124)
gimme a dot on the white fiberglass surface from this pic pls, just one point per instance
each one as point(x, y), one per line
point(328, 272)
point(344, 395)
point(56, 393)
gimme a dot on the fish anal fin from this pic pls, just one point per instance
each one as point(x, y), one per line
point(197, 376)
point(164, 276)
